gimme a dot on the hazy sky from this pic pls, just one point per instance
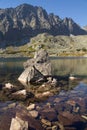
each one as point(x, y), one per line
point(76, 9)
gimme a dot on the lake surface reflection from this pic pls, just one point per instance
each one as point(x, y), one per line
point(73, 65)
point(12, 67)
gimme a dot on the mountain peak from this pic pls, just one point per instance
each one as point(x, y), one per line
point(25, 5)
point(26, 21)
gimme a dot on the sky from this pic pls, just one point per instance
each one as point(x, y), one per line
point(75, 9)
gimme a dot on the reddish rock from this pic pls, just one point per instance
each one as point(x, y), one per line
point(32, 123)
point(59, 107)
point(49, 114)
point(71, 102)
point(44, 94)
point(20, 112)
point(68, 118)
point(57, 100)
point(5, 119)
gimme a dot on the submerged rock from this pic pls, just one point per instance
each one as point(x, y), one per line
point(49, 114)
point(31, 107)
point(34, 113)
point(46, 122)
point(20, 92)
point(18, 124)
point(33, 124)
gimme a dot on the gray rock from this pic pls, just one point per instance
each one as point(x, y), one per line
point(34, 113)
point(54, 82)
point(44, 68)
point(54, 127)
point(18, 124)
point(9, 86)
point(19, 95)
point(41, 56)
point(44, 94)
point(36, 69)
point(20, 92)
point(41, 62)
point(31, 107)
point(29, 63)
point(30, 74)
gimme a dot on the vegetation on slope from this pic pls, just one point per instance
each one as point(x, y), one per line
point(55, 45)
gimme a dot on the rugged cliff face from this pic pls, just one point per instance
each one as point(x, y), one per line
point(26, 21)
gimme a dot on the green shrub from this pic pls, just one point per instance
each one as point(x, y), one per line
point(84, 49)
point(78, 49)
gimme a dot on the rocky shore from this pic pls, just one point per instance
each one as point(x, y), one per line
point(42, 102)
point(66, 111)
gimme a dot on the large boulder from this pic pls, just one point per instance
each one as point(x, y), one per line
point(30, 74)
point(36, 68)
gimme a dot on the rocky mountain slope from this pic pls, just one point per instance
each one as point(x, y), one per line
point(85, 28)
point(61, 45)
point(26, 21)
point(55, 46)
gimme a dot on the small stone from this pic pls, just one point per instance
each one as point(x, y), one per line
point(57, 100)
point(34, 113)
point(84, 117)
point(54, 127)
point(49, 128)
point(54, 82)
point(49, 114)
point(46, 93)
point(38, 107)
point(9, 85)
point(46, 122)
point(49, 79)
point(20, 92)
point(71, 102)
point(43, 85)
point(31, 107)
point(49, 105)
point(76, 109)
point(12, 105)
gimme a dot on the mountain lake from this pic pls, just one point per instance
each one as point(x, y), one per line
point(69, 102)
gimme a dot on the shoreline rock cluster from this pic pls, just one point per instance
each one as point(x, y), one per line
point(56, 113)
point(65, 111)
point(38, 82)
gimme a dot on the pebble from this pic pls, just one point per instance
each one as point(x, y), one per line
point(46, 122)
point(54, 127)
point(9, 85)
point(31, 107)
point(34, 113)
point(20, 92)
